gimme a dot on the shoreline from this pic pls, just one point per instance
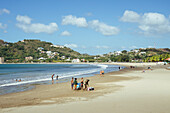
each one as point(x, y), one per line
point(26, 85)
point(19, 101)
point(123, 63)
point(59, 94)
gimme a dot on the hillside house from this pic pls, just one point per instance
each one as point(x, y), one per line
point(1, 60)
point(76, 60)
point(28, 58)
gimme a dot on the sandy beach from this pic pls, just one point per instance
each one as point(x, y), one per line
point(135, 90)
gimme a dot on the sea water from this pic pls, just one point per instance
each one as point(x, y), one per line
point(32, 74)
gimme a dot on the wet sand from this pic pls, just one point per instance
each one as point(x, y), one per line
point(125, 91)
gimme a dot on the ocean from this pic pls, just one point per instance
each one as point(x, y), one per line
point(37, 74)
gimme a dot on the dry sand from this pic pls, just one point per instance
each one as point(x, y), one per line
point(126, 91)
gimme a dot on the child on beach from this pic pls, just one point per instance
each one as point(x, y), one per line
point(102, 73)
point(72, 83)
point(82, 81)
point(75, 83)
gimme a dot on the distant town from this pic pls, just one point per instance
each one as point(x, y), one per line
point(36, 51)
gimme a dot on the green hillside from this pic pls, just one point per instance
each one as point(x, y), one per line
point(19, 50)
point(41, 51)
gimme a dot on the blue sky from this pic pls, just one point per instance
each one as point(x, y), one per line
point(88, 26)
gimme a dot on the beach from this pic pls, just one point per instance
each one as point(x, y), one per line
point(130, 90)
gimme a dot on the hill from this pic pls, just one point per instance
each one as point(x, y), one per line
point(140, 55)
point(36, 49)
point(41, 51)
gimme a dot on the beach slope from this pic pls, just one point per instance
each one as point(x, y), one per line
point(137, 91)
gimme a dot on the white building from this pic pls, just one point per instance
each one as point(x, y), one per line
point(42, 58)
point(69, 59)
point(48, 53)
point(63, 57)
point(83, 60)
point(40, 48)
point(117, 53)
point(142, 53)
point(57, 46)
point(136, 51)
point(1, 60)
point(55, 53)
point(28, 58)
point(76, 60)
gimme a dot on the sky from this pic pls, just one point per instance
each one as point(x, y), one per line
point(88, 26)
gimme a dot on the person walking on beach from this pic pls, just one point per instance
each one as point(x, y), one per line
point(82, 81)
point(52, 77)
point(72, 83)
point(75, 83)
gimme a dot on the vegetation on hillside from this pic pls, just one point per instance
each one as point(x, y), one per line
point(41, 51)
point(19, 50)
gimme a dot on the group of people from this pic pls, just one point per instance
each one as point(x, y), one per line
point(78, 86)
point(18, 80)
point(53, 77)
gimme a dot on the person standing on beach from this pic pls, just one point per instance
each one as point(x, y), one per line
point(57, 77)
point(75, 83)
point(82, 81)
point(52, 77)
point(86, 83)
point(103, 73)
point(72, 83)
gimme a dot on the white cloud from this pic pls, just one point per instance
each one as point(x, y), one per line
point(102, 47)
point(24, 23)
point(4, 11)
point(130, 16)
point(38, 28)
point(23, 19)
point(3, 26)
point(95, 24)
point(103, 28)
point(154, 23)
point(65, 33)
point(149, 23)
point(73, 20)
point(71, 45)
point(154, 19)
